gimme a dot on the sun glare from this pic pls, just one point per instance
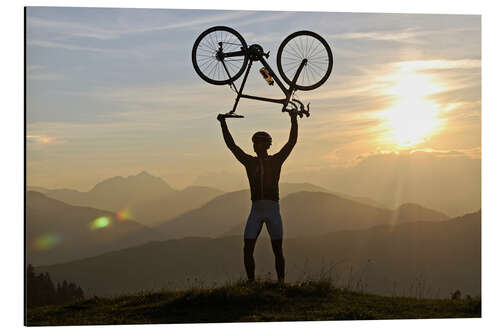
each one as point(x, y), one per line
point(413, 117)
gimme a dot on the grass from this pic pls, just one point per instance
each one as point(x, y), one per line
point(242, 302)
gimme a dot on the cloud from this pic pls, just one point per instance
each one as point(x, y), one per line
point(39, 139)
point(36, 73)
point(261, 17)
point(474, 153)
point(67, 46)
point(405, 35)
point(437, 64)
point(380, 35)
point(45, 77)
point(75, 29)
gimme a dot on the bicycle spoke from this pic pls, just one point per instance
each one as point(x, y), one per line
point(214, 69)
point(314, 50)
point(291, 69)
point(314, 71)
point(223, 38)
point(301, 42)
point(208, 44)
point(321, 71)
point(316, 66)
point(293, 59)
point(316, 77)
point(319, 59)
point(307, 47)
point(205, 56)
point(233, 67)
point(292, 65)
point(306, 73)
point(317, 53)
point(202, 63)
point(297, 50)
point(309, 43)
point(206, 62)
point(291, 51)
point(210, 40)
point(204, 53)
point(211, 70)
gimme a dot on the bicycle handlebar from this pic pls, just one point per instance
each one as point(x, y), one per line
point(303, 111)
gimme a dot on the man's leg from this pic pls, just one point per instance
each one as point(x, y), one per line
point(274, 226)
point(248, 258)
point(279, 259)
point(252, 231)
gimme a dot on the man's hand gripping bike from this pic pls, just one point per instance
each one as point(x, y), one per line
point(220, 56)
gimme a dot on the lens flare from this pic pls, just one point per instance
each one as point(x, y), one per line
point(47, 241)
point(100, 223)
point(124, 214)
point(47, 140)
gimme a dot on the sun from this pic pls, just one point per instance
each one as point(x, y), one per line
point(413, 118)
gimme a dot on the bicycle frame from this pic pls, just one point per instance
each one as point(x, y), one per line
point(259, 56)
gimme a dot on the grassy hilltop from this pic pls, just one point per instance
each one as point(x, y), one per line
point(241, 302)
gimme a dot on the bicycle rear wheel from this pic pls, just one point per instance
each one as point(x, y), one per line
point(305, 45)
point(207, 59)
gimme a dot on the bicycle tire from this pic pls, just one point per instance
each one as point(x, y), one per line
point(205, 63)
point(315, 49)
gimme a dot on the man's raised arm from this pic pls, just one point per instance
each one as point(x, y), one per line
point(292, 139)
point(237, 151)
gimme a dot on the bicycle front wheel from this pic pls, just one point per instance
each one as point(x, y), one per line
point(305, 45)
point(219, 55)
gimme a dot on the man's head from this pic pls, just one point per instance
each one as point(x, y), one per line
point(261, 142)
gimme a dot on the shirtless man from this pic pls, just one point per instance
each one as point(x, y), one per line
point(263, 173)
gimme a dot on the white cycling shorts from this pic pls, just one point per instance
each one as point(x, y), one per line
point(268, 212)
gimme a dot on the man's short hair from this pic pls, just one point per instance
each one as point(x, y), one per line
point(262, 137)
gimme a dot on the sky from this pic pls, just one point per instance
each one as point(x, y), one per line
point(113, 92)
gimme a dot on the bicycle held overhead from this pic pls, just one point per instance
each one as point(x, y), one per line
point(220, 56)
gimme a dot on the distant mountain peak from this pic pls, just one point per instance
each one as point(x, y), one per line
point(304, 193)
point(408, 205)
point(142, 180)
point(413, 211)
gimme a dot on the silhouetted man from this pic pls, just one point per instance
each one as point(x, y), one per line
point(263, 174)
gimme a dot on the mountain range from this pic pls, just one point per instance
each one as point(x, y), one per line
point(58, 232)
point(423, 259)
point(307, 210)
point(304, 213)
point(447, 181)
point(147, 198)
